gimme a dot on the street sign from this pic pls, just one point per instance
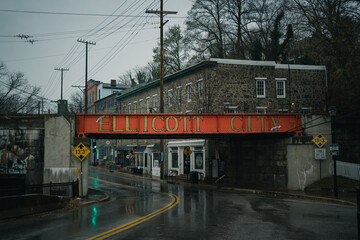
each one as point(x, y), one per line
point(81, 151)
point(319, 141)
point(334, 149)
point(187, 152)
point(320, 154)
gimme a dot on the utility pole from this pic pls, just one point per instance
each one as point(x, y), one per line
point(86, 67)
point(62, 76)
point(161, 13)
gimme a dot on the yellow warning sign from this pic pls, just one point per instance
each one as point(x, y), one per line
point(187, 152)
point(319, 141)
point(81, 151)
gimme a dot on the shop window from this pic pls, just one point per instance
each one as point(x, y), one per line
point(199, 158)
point(156, 160)
point(174, 158)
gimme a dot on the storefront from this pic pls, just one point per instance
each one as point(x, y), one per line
point(185, 157)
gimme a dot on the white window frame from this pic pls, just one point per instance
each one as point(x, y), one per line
point(141, 103)
point(148, 104)
point(135, 107)
point(155, 102)
point(259, 80)
point(232, 109)
point(170, 97)
point(188, 92)
point(179, 90)
point(200, 83)
point(283, 81)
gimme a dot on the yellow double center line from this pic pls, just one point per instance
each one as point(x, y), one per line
point(174, 201)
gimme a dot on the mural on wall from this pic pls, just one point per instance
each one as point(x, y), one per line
point(17, 150)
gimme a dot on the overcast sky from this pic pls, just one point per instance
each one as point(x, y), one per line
point(122, 43)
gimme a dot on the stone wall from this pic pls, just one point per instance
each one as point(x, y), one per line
point(236, 83)
point(258, 162)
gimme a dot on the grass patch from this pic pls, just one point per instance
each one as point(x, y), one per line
point(344, 184)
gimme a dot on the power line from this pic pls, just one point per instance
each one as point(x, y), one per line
point(76, 14)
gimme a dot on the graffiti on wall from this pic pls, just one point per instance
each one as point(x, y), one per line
point(16, 150)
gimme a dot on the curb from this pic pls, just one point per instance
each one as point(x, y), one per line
point(106, 198)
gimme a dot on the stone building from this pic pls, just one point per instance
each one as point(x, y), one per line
point(232, 86)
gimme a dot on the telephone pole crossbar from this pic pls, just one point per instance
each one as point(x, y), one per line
point(62, 77)
point(86, 67)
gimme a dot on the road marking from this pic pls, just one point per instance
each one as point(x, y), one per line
point(174, 201)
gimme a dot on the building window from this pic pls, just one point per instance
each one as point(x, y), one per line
point(280, 88)
point(232, 109)
point(188, 92)
point(154, 102)
point(179, 94)
point(141, 106)
point(129, 108)
point(174, 158)
point(135, 107)
point(261, 109)
point(201, 88)
point(260, 87)
point(148, 104)
point(170, 97)
point(99, 94)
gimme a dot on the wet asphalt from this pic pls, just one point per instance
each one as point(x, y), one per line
point(139, 208)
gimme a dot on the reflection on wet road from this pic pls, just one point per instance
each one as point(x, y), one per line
point(141, 209)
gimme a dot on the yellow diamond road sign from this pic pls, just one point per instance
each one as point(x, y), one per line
point(81, 151)
point(319, 140)
point(187, 152)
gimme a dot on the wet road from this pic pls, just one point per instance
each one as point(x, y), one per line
point(144, 209)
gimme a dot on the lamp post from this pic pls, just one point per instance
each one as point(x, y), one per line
point(332, 112)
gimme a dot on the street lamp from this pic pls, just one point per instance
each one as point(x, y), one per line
point(332, 112)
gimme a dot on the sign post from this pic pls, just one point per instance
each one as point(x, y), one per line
point(81, 151)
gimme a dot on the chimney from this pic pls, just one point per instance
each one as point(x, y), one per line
point(113, 83)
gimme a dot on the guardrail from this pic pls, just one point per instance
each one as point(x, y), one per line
point(59, 189)
point(349, 170)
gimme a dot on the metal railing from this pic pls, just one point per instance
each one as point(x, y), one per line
point(59, 189)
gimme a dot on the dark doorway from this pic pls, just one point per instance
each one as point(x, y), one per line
point(186, 163)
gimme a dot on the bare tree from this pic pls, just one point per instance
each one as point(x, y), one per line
point(332, 29)
point(76, 102)
point(206, 28)
point(17, 96)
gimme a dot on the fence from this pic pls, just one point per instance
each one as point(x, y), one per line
point(60, 189)
point(349, 170)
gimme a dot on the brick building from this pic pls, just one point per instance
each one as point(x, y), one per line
point(233, 86)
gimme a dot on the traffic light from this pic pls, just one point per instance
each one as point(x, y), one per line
point(94, 146)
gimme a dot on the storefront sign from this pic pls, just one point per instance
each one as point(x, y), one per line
point(187, 124)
